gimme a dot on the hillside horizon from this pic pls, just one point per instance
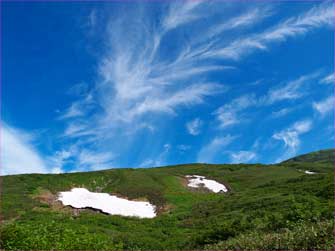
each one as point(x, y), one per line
point(322, 155)
point(287, 206)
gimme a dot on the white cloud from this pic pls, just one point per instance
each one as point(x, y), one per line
point(212, 40)
point(282, 112)
point(208, 152)
point(194, 126)
point(227, 114)
point(135, 86)
point(292, 90)
point(242, 156)
point(324, 106)
point(94, 160)
point(138, 82)
point(248, 18)
point(317, 17)
point(290, 137)
point(231, 113)
point(163, 103)
point(57, 161)
point(75, 129)
point(73, 111)
point(182, 12)
point(329, 79)
point(18, 154)
point(78, 108)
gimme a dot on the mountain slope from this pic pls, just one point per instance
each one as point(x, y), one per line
point(267, 207)
point(322, 156)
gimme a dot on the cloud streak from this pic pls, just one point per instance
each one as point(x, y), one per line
point(181, 13)
point(315, 18)
point(291, 137)
point(228, 114)
point(208, 152)
point(233, 113)
point(324, 106)
point(329, 79)
point(18, 154)
point(194, 126)
point(242, 157)
point(292, 90)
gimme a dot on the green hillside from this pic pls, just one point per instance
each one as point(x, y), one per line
point(323, 156)
point(267, 207)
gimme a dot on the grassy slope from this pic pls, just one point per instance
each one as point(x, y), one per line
point(268, 207)
point(322, 156)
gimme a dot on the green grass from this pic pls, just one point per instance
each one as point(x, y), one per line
point(268, 207)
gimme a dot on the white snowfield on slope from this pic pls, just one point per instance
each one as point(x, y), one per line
point(310, 172)
point(199, 181)
point(111, 204)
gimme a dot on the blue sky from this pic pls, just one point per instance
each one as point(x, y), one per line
point(95, 85)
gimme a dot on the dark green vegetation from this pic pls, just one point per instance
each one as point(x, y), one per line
point(268, 207)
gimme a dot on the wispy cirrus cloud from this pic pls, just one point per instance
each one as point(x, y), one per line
point(291, 137)
point(228, 114)
point(210, 42)
point(208, 152)
point(242, 156)
point(57, 161)
point(324, 106)
point(292, 90)
point(73, 111)
point(18, 153)
point(143, 76)
point(317, 17)
point(92, 160)
point(83, 158)
point(233, 113)
point(194, 126)
point(282, 112)
point(136, 83)
point(180, 13)
point(246, 19)
point(329, 79)
point(80, 107)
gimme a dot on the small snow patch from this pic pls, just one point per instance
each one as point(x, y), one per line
point(198, 181)
point(310, 172)
point(110, 204)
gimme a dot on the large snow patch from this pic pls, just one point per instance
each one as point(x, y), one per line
point(199, 181)
point(110, 204)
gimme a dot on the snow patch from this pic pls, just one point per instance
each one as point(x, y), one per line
point(199, 181)
point(110, 204)
point(310, 172)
